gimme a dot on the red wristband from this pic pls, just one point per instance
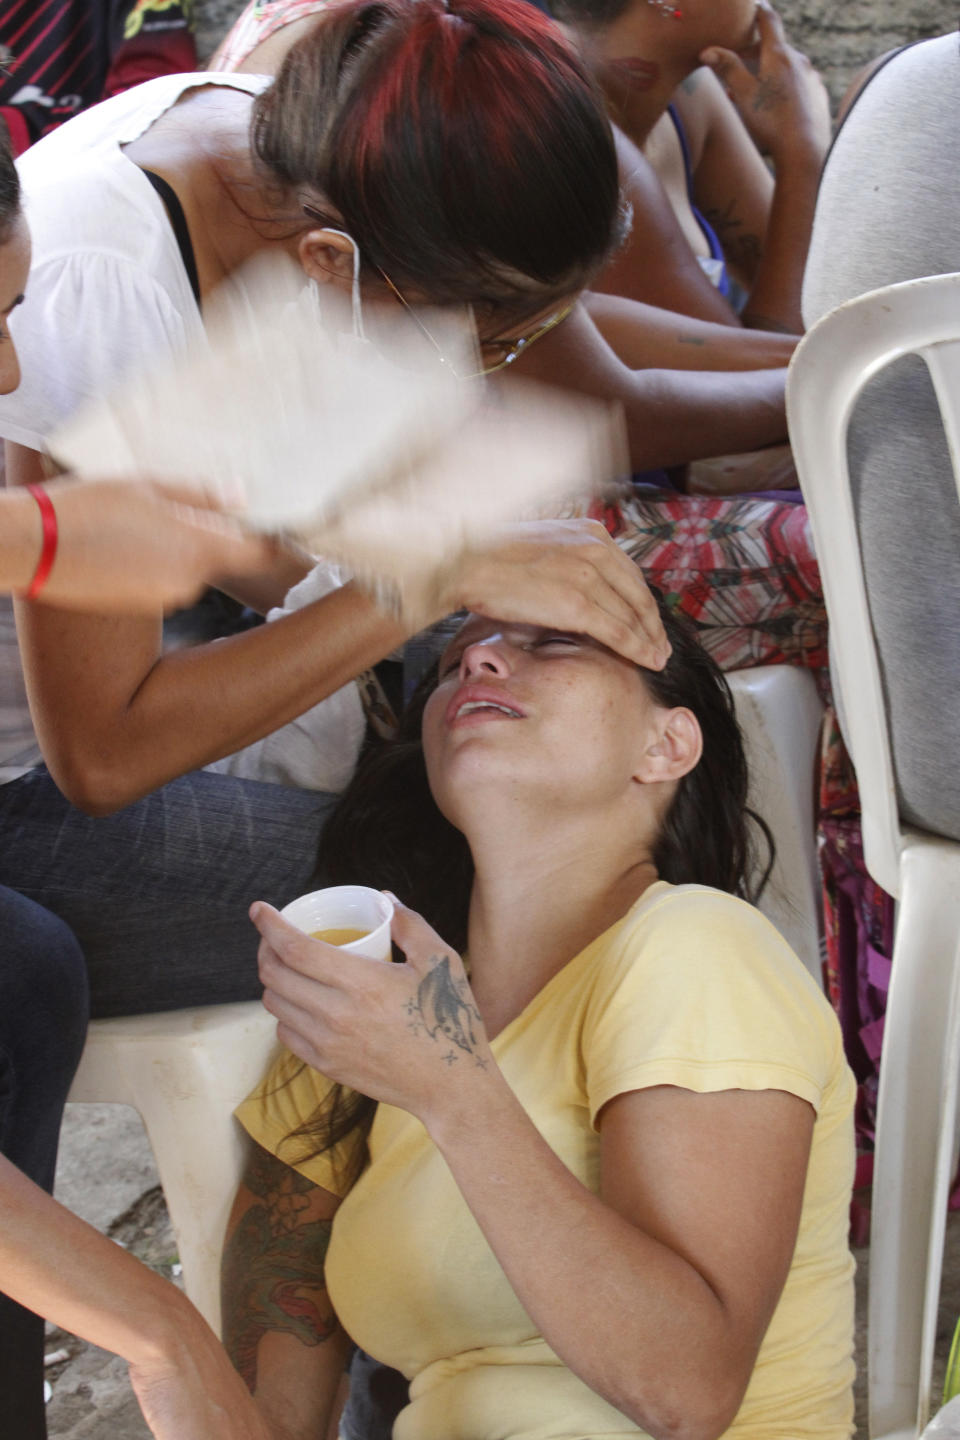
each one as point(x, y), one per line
point(48, 549)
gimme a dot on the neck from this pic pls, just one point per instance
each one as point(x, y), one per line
point(233, 212)
point(638, 73)
point(540, 898)
point(246, 215)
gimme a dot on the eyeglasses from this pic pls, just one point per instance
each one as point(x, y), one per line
point(512, 349)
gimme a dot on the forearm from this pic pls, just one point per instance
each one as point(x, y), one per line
point(645, 337)
point(622, 1310)
point(672, 416)
point(279, 1326)
point(265, 591)
point(138, 718)
point(20, 540)
point(55, 1264)
point(774, 299)
point(147, 718)
point(677, 416)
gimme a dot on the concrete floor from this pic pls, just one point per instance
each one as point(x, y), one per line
point(106, 1174)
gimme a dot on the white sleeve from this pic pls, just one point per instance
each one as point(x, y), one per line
point(318, 750)
point(89, 321)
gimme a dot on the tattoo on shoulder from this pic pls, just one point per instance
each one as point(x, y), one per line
point(273, 1266)
point(444, 1010)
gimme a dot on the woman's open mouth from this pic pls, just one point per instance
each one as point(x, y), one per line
point(482, 702)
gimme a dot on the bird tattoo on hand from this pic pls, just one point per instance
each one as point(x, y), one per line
point(442, 1009)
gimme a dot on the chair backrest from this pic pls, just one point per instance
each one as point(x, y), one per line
point(830, 370)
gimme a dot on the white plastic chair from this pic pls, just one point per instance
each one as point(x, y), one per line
point(921, 1051)
point(780, 714)
point(184, 1072)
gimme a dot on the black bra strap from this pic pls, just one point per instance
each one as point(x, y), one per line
point(179, 223)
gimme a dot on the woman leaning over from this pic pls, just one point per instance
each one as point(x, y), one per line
point(707, 214)
point(743, 569)
point(605, 1190)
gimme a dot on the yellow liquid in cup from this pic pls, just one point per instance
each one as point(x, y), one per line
point(338, 937)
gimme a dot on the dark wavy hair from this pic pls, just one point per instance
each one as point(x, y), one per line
point(462, 143)
point(10, 211)
point(387, 831)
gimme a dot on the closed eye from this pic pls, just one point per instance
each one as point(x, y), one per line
point(558, 641)
point(572, 642)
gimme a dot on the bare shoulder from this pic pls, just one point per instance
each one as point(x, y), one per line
point(702, 105)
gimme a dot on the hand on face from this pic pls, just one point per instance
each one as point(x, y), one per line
point(570, 575)
point(528, 721)
point(778, 94)
point(404, 1034)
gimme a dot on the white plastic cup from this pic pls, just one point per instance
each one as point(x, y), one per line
point(346, 907)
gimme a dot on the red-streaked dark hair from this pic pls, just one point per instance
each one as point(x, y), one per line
point(462, 144)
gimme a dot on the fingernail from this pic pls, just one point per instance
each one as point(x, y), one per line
point(709, 57)
point(254, 911)
point(392, 898)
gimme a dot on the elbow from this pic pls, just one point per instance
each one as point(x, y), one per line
point(695, 1410)
point(93, 785)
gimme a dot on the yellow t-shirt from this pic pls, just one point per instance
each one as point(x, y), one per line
point(691, 988)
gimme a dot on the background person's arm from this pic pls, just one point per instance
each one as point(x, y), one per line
point(785, 110)
point(645, 337)
point(60, 1267)
point(733, 185)
point(673, 416)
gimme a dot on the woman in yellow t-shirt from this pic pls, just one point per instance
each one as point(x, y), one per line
point(605, 1187)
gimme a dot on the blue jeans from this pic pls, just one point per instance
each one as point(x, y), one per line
point(157, 895)
point(142, 911)
point(43, 1022)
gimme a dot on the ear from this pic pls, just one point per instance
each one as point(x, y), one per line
point(675, 748)
point(327, 256)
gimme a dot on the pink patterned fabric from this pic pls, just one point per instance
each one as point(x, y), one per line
point(260, 20)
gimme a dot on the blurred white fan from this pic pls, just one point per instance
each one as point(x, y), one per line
point(372, 454)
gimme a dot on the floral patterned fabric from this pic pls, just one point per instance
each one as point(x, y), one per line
point(742, 570)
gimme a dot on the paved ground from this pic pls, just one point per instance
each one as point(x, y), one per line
point(107, 1175)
